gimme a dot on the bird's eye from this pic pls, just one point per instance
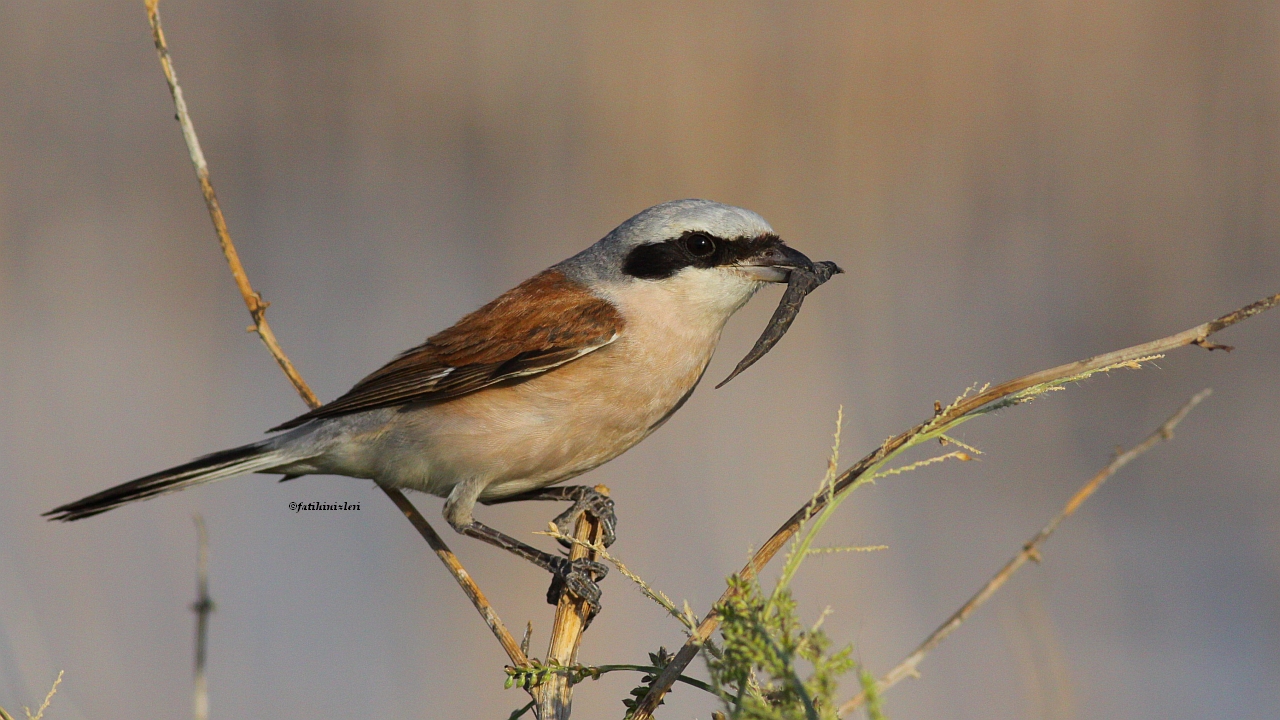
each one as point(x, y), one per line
point(700, 244)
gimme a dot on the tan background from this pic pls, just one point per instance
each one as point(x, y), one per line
point(1010, 185)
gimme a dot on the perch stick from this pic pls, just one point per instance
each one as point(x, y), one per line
point(1029, 551)
point(257, 310)
point(1198, 335)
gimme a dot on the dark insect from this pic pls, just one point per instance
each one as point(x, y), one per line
point(800, 283)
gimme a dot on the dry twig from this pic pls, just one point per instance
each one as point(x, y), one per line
point(202, 607)
point(1029, 551)
point(555, 696)
point(257, 310)
point(257, 306)
point(944, 419)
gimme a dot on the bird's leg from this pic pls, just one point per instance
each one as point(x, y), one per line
point(584, 499)
point(579, 577)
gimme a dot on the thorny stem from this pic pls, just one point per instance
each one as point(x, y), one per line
point(1029, 551)
point(459, 573)
point(942, 421)
point(257, 310)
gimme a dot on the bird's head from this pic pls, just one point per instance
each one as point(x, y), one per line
point(714, 257)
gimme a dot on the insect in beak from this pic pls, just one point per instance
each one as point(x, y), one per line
point(803, 276)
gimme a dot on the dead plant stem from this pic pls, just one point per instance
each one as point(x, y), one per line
point(257, 310)
point(202, 607)
point(555, 696)
point(1030, 551)
point(962, 409)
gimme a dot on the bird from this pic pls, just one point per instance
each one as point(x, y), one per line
point(555, 377)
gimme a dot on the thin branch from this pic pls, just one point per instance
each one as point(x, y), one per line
point(1030, 551)
point(469, 586)
point(257, 306)
point(945, 419)
point(257, 310)
point(202, 607)
point(573, 615)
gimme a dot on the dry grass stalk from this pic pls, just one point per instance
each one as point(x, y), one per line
point(257, 310)
point(43, 706)
point(964, 408)
point(47, 699)
point(1030, 551)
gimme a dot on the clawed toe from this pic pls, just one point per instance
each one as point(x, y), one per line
point(599, 505)
point(580, 578)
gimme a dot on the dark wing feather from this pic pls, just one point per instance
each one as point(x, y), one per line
point(539, 325)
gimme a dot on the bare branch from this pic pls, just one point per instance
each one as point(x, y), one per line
point(257, 310)
point(253, 300)
point(573, 615)
point(1030, 551)
point(944, 419)
point(487, 613)
point(202, 607)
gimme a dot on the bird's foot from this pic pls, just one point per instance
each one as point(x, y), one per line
point(578, 577)
point(588, 499)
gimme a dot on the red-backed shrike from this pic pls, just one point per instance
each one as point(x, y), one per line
point(558, 375)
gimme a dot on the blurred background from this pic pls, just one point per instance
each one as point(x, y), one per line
point(1010, 185)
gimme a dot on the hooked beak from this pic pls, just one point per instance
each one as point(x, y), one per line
point(776, 263)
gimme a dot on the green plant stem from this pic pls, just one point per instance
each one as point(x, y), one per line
point(650, 669)
point(578, 673)
point(788, 662)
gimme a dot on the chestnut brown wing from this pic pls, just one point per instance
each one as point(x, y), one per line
point(541, 324)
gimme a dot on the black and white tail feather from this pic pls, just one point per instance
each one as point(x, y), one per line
point(255, 457)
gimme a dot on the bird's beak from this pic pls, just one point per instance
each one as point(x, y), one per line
point(776, 263)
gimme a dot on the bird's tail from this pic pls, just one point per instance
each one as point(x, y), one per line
point(236, 461)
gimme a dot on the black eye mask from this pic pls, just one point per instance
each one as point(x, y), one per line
point(800, 283)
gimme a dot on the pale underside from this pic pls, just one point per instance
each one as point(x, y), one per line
point(511, 438)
